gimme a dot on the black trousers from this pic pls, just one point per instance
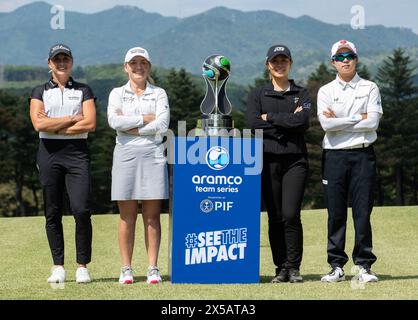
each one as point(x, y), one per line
point(283, 185)
point(349, 172)
point(65, 164)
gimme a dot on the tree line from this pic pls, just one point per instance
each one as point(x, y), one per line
point(396, 147)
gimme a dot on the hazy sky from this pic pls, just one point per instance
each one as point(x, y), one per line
point(400, 13)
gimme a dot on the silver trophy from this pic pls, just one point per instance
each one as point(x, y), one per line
point(216, 107)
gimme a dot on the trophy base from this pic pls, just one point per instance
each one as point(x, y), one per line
point(215, 125)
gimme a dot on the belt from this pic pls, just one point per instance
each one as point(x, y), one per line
point(357, 146)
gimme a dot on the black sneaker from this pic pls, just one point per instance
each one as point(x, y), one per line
point(294, 276)
point(282, 276)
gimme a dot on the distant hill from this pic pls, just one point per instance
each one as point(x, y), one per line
point(20, 80)
point(244, 37)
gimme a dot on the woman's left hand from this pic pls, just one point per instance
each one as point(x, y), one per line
point(329, 114)
point(133, 131)
point(298, 109)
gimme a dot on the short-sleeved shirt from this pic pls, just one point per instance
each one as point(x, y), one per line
point(153, 100)
point(59, 103)
point(348, 100)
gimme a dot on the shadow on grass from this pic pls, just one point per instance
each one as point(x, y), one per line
point(266, 278)
point(317, 277)
point(388, 277)
point(116, 280)
point(136, 279)
point(306, 278)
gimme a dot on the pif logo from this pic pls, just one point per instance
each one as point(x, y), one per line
point(208, 206)
point(217, 158)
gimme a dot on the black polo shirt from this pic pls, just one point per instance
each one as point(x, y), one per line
point(284, 130)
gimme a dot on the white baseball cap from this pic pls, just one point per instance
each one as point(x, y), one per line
point(343, 44)
point(137, 51)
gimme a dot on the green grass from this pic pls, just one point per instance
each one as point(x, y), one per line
point(25, 262)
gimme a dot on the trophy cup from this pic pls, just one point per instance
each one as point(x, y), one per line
point(216, 107)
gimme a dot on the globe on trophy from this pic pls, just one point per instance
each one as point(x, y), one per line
point(216, 107)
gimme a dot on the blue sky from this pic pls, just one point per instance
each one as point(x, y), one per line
point(400, 13)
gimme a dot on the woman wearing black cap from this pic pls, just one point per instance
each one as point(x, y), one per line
point(281, 109)
point(63, 112)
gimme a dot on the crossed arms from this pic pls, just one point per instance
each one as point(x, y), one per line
point(67, 125)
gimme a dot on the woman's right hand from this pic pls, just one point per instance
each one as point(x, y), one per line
point(147, 118)
point(77, 117)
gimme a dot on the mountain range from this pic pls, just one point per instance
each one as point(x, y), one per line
point(243, 37)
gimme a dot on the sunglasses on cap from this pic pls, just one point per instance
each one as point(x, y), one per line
point(342, 56)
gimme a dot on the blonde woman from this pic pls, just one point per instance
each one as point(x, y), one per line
point(63, 112)
point(139, 112)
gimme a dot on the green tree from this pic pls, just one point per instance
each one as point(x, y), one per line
point(184, 98)
point(101, 145)
point(363, 71)
point(314, 192)
point(398, 143)
point(18, 146)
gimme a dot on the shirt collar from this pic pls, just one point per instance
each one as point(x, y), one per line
point(148, 89)
point(53, 84)
point(269, 88)
point(352, 84)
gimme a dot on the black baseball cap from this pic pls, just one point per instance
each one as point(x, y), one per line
point(276, 50)
point(59, 48)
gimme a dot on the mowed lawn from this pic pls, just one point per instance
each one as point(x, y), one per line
point(25, 263)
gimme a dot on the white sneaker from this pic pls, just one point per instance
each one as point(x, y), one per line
point(153, 275)
point(126, 275)
point(336, 275)
point(57, 275)
point(82, 275)
point(366, 275)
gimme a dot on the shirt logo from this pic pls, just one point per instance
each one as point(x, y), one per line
point(137, 51)
point(307, 105)
point(128, 99)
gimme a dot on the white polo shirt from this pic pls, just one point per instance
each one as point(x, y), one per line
point(348, 100)
point(153, 100)
point(59, 103)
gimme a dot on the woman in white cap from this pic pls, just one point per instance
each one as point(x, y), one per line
point(63, 112)
point(349, 110)
point(139, 112)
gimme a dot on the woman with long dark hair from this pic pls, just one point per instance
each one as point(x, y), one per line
point(281, 108)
